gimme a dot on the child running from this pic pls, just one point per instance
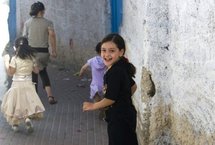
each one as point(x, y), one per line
point(98, 69)
point(21, 102)
point(119, 87)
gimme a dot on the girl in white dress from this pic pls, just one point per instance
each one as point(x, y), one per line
point(21, 103)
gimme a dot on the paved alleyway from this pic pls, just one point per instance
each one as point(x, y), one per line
point(63, 123)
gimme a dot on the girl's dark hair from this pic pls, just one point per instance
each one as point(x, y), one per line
point(98, 48)
point(130, 67)
point(23, 50)
point(36, 8)
point(120, 43)
point(115, 38)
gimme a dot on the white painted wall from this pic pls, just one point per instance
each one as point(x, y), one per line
point(175, 41)
point(4, 34)
point(192, 37)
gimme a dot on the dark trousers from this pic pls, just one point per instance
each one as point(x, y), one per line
point(44, 77)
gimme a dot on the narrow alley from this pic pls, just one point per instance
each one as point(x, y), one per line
point(64, 123)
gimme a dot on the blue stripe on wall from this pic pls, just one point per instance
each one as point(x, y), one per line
point(116, 15)
point(12, 20)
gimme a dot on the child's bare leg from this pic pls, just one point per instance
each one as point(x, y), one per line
point(98, 98)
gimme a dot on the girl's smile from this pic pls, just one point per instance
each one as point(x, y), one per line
point(110, 53)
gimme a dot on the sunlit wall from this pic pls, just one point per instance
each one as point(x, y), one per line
point(4, 39)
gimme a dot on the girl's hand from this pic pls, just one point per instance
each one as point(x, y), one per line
point(6, 60)
point(54, 53)
point(77, 74)
point(36, 69)
point(87, 106)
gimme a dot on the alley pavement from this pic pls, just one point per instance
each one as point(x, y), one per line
point(64, 123)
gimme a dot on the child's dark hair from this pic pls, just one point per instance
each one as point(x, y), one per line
point(36, 8)
point(98, 48)
point(120, 43)
point(23, 50)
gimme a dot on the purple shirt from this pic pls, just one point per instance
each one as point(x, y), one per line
point(97, 69)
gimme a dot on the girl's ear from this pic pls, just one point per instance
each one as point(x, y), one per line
point(122, 52)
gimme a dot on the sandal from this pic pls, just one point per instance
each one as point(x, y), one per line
point(29, 125)
point(52, 100)
point(15, 128)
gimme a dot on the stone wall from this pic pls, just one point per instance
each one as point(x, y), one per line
point(79, 25)
point(174, 42)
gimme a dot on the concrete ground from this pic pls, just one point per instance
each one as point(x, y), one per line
point(64, 123)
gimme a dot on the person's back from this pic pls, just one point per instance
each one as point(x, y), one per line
point(37, 31)
point(21, 103)
point(23, 66)
point(40, 33)
point(97, 70)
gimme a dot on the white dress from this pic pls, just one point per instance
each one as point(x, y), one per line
point(21, 100)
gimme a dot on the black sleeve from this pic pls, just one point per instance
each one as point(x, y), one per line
point(113, 84)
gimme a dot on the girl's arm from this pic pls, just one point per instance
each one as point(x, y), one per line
point(133, 89)
point(52, 40)
point(87, 106)
point(10, 70)
point(83, 69)
point(36, 69)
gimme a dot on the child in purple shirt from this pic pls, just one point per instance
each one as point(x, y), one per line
point(98, 69)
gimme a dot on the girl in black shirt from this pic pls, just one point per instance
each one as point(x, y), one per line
point(118, 89)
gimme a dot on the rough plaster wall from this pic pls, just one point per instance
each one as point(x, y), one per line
point(174, 41)
point(79, 25)
point(192, 85)
point(145, 28)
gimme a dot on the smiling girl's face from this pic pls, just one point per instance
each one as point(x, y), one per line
point(110, 53)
